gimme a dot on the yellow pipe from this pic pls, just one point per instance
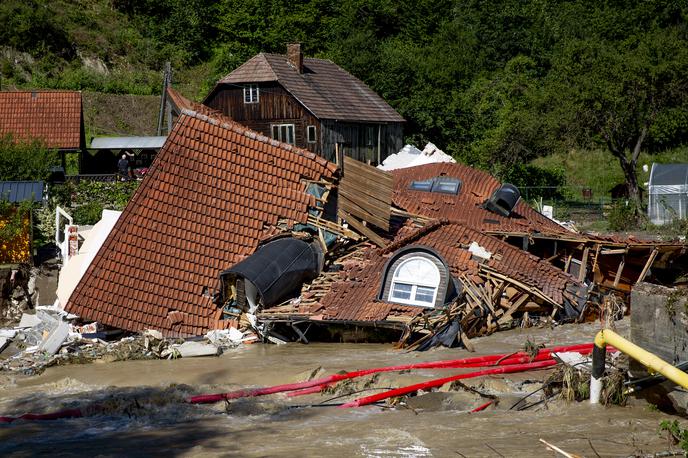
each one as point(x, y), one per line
point(644, 357)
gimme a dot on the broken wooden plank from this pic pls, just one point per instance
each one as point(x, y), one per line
point(584, 265)
point(618, 272)
point(365, 231)
point(648, 264)
point(332, 227)
point(520, 301)
point(366, 193)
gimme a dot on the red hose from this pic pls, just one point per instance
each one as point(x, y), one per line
point(311, 390)
point(478, 361)
point(483, 407)
point(439, 382)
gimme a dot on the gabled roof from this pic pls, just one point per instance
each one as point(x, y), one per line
point(465, 207)
point(212, 193)
point(51, 116)
point(325, 89)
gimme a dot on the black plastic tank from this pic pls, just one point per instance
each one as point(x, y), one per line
point(503, 200)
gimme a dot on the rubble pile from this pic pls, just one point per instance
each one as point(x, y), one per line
point(47, 338)
point(17, 293)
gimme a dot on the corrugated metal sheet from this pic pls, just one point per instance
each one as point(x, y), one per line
point(21, 191)
point(128, 142)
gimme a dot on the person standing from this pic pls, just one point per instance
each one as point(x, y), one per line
point(123, 168)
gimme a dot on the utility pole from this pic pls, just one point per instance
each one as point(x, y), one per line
point(166, 81)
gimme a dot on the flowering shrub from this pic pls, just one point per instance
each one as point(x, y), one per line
point(15, 236)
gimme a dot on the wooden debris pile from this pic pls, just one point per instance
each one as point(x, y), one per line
point(487, 303)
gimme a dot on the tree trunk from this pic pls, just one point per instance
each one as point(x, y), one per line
point(628, 165)
point(631, 177)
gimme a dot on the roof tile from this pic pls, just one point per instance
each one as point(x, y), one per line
point(185, 224)
point(54, 117)
point(324, 88)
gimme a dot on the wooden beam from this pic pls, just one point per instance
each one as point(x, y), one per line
point(619, 251)
point(519, 302)
point(618, 272)
point(648, 264)
point(584, 265)
point(365, 231)
point(597, 255)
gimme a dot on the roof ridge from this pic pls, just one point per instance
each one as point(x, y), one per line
point(224, 122)
point(28, 91)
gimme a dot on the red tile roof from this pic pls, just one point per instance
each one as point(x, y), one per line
point(214, 190)
point(465, 207)
point(324, 88)
point(354, 297)
point(54, 117)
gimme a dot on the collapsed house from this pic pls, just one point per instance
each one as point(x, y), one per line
point(233, 229)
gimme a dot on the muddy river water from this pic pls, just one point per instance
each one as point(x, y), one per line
point(142, 413)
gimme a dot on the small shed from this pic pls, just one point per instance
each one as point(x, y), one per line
point(668, 193)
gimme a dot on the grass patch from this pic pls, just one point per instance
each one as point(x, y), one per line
point(600, 171)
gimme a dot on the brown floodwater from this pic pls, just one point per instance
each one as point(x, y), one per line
point(141, 410)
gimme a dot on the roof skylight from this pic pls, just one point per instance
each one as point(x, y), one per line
point(442, 184)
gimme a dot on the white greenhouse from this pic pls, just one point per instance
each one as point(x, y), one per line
point(668, 193)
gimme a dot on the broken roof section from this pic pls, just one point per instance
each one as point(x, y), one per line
point(213, 192)
point(413, 194)
point(54, 117)
point(356, 296)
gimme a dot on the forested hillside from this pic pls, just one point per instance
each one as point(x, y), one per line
point(496, 83)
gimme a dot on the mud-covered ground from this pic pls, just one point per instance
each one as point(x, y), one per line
point(137, 408)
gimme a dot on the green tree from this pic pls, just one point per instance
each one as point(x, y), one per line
point(614, 92)
point(25, 161)
point(509, 123)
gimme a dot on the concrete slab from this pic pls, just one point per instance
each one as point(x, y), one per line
point(28, 321)
point(52, 343)
point(192, 349)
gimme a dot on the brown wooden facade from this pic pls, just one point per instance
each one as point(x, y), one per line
point(365, 141)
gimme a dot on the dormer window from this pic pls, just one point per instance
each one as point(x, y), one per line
point(417, 275)
point(415, 282)
point(444, 185)
point(251, 93)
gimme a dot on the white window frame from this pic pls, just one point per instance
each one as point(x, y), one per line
point(280, 131)
point(308, 134)
point(415, 282)
point(251, 93)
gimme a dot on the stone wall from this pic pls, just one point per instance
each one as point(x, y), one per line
point(659, 323)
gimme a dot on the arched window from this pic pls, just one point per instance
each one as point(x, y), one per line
point(415, 282)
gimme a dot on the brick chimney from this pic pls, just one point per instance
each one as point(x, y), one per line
point(295, 56)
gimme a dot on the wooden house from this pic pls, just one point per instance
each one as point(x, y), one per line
point(310, 103)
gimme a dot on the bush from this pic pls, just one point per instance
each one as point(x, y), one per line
point(624, 215)
point(88, 213)
point(25, 161)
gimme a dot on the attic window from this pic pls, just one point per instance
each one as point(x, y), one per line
point(251, 93)
point(444, 185)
